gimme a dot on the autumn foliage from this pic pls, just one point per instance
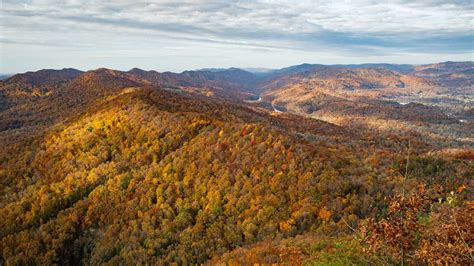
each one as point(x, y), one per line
point(421, 229)
point(111, 167)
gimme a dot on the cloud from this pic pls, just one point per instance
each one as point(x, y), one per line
point(358, 27)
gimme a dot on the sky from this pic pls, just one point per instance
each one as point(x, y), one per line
point(183, 35)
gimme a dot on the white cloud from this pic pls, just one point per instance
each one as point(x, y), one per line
point(343, 28)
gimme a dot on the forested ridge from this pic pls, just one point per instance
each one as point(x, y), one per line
point(130, 172)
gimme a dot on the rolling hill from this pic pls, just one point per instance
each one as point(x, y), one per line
point(126, 167)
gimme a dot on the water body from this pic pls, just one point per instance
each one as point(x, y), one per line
point(276, 109)
point(255, 101)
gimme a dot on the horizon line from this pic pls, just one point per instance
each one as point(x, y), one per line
point(217, 69)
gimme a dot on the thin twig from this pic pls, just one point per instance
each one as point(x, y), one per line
point(350, 227)
point(402, 251)
point(460, 235)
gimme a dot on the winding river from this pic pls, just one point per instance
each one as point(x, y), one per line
point(275, 108)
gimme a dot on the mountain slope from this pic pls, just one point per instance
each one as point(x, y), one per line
point(27, 116)
point(37, 83)
point(373, 99)
point(142, 167)
point(454, 75)
point(131, 159)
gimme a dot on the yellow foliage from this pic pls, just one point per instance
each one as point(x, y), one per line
point(325, 214)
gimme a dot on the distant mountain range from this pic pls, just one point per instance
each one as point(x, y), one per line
point(5, 76)
point(446, 73)
point(401, 68)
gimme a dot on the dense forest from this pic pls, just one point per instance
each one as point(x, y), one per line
point(125, 168)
